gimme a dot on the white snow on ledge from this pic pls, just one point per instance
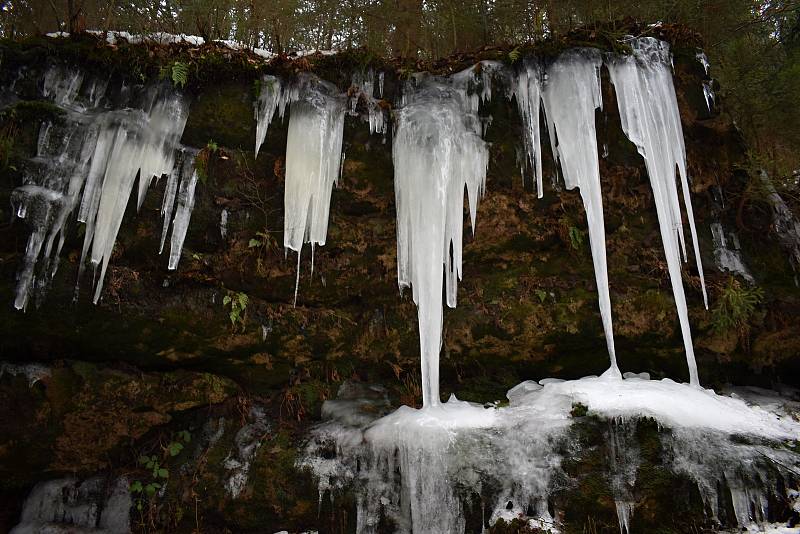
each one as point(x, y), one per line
point(672, 404)
point(113, 37)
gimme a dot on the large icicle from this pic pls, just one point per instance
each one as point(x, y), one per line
point(437, 152)
point(571, 95)
point(313, 159)
point(650, 118)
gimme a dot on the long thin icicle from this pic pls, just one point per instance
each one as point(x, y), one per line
point(528, 92)
point(571, 95)
point(183, 209)
point(650, 118)
point(438, 153)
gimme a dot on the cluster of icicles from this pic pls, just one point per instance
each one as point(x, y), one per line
point(439, 153)
point(91, 164)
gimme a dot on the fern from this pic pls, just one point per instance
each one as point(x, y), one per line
point(736, 306)
point(180, 73)
point(514, 55)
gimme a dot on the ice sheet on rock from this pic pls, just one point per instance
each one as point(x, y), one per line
point(68, 505)
point(571, 96)
point(438, 153)
point(786, 224)
point(727, 252)
point(223, 224)
point(419, 467)
point(313, 159)
point(33, 372)
point(247, 442)
point(650, 118)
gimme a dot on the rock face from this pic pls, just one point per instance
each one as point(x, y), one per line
point(162, 361)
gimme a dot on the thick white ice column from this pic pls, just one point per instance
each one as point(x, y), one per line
point(313, 159)
point(571, 95)
point(650, 118)
point(437, 152)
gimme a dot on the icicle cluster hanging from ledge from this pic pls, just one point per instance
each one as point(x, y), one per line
point(91, 163)
point(569, 90)
point(438, 152)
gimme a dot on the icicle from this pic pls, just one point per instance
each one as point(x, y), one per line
point(169, 203)
point(183, 211)
point(650, 118)
point(571, 96)
point(437, 152)
point(269, 99)
point(313, 152)
point(223, 224)
point(708, 94)
point(528, 92)
point(364, 85)
point(703, 59)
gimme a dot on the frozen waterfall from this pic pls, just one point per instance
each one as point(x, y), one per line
point(438, 153)
point(421, 469)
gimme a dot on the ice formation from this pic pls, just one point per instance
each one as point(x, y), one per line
point(648, 109)
point(67, 505)
point(90, 163)
point(271, 97)
point(313, 154)
point(247, 442)
point(421, 468)
point(708, 94)
point(313, 159)
point(786, 225)
point(33, 372)
point(178, 196)
point(727, 253)
point(438, 152)
point(703, 59)
point(364, 89)
point(571, 95)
